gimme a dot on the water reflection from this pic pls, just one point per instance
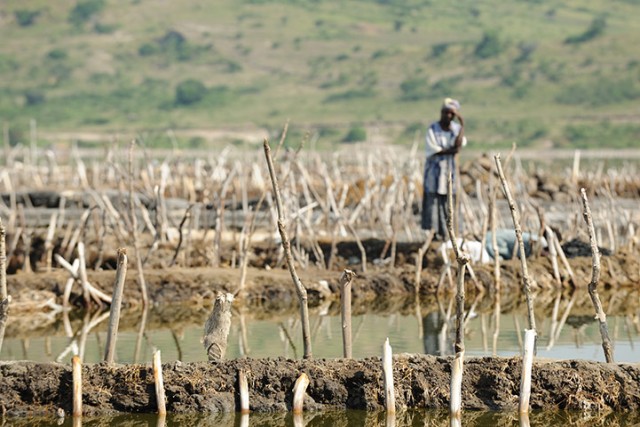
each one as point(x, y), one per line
point(427, 418)
point(566, 329)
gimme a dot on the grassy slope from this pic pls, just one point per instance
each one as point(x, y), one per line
point(330, 64)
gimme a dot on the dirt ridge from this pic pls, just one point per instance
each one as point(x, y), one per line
point(421, 381)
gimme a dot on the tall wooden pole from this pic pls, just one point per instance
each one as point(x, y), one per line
point(595, 276)
point(286, 245)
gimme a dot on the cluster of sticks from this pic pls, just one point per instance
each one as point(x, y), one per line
point(335, 197)
point(530, 333)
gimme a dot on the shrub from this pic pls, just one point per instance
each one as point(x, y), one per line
point(33, 97)
point(101, 28)
point(172, 44)
point(414, 89)
point(437, 50)
point(84, 10)
point(189, 92)
point(489, 46)
point(57, 53)
point(26, 18)
point(147, 49)
point(355, 134)
point(351, 94)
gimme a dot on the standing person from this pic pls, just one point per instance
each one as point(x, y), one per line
point(444, 140)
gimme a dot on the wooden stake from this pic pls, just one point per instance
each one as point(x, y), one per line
point(114, 317)
point(455, 404)
point(299, 389)
point(244, 392)
point(493, 220)
point(527, 363)
point(159, 383)
point(3, 261)
point(286, 245)
point(387, 369)
point(48, 243)
point(595, 276)
point(345, 303)
point(76, 368)
point(462, 258)
point(525, 380)
point(134, 230)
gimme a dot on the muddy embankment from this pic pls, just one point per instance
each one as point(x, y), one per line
point(421, 381)
point(268, 283)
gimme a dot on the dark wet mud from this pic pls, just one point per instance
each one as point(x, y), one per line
point(421, 381)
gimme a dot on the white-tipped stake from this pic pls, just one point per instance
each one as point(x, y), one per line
point(299, 389)
point(455, 407)
point(387, 368)
point(159, 382)
point(244, 392)
point(527, 363)
point(76, 370)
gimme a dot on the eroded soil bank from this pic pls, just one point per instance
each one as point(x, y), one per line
point(268, 281)
point(421, 381)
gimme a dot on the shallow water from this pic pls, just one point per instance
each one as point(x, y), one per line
point(570, 337)
point(415, 417)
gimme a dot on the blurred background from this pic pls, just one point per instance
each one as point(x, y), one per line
point(194, 73)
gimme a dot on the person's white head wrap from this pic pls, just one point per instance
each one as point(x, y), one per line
point(451, 104)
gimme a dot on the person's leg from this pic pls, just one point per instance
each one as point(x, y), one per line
point(441, 216)
point(428, 204)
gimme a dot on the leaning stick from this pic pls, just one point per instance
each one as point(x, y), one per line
point(345, 295)
point(553, 254)
point(286, 245)
point(3, 261)
point(515, 215)
point(462, 258)
point(114, 319)
point(187, 215)
point(5, 299)
point(564, 260)
point(48, 243)
point(595, 276)
point(387, 369)
point(159, 383)
point(530, 334)
point(363, 252)
point(299, 389)
point(76, 367)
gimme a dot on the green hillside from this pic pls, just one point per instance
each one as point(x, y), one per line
point(538, 72)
